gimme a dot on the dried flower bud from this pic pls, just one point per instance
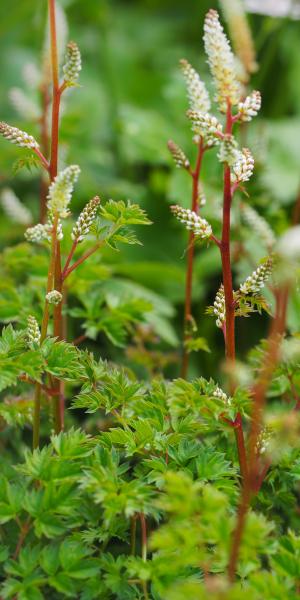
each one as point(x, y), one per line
point(218, 393)
point(240, 33)
point(197, 92)
point(14, 208)
point(259, 225)
point(228, 152)
point(85, 220)
point(243, 168)
point(54, 297)
point(250, 107)
point(219, 307)
point(72, 65)
point(200, 227)
point(60, 191)
point(206, 125)
point(255, 282)
point(33, 332)
point(179, 157)
point(221, 61)
point(18, 137)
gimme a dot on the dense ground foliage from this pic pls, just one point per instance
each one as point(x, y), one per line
point(149, 350)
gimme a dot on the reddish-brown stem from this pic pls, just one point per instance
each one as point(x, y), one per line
point(45, 144)
point(240, 442)
point(144, 536)
point(80, 260)
point(57, 91)
point(250, 483)
point(42, 158)
point(70, 256)
point(190, 260)
point(23, 534)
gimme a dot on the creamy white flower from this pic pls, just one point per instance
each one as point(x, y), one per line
point(72, 66)
point(18, 137)
point(243, 168)
point(250, 107)
point(60, 191)
point(206, 126)
point(221, 61)
point(181, 161)
point(200, 227)
point(85, 220)
point(219, 307)
point(196, 88)
point(14, 208)
point(259, 225)
point(54, 297)
point(33, 332)
point(255, 282)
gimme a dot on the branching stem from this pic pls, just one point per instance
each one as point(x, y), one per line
point(190, 259)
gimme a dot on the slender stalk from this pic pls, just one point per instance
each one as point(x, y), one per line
point(250, 483)
point(144, 536)
point(133, 535)
point(45, 145)
point(190, 259)
point(68, 271)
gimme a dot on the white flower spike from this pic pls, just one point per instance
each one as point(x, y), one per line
point(219, 307)
point(250, 107)
point(181, 161)
point(197, 93)
point(33, 332)
point(200, 227)
point(72, 65)
point(60, 191)
point(85, 220)
point(18, 137)
point(255, 282)
point(243, 168)
point(222, 62)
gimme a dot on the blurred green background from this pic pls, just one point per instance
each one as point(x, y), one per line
point(116, 126)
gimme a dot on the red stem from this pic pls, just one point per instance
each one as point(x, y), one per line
point(190, 259)
point(78, 262)
point(250, 483)
point(144, 536)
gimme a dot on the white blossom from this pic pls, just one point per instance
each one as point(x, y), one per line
point(259, 225)
point(221, 61)
point(72, 66)
point(60, 191)
point(33, 331)
point(228, 151)
point(18, 137)
point(196, 88)
point(54, 297)
point(85, 220)
point(206, 126)
point(179, 157)
point(219, 307)
point(255, 282)
point(250, 107)
point(243, 168)
point(199, 226)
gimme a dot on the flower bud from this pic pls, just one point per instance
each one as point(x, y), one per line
point(54, 297)
point(200, 227)
point(255, 282)
point(179, 157)
point(72, 65)
point(197, 92)
point(18, 137)
point(33, 332)
point(85, 220)
point(60, 191)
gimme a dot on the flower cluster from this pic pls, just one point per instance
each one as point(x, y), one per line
point(259, 225)
point(60, 191)
point(18, 137)
point(33, 331)
point(219, 307)
point(255, 282)
point(54, 297)
point(263, 441)
point(85, 220)
point(250, 107)
point(200, 227)
point(243, 168)
point(206, 125)
point(240, 33)
point(179, 157)
point(37, 234)
point(228, 152)
point(197, 92)
point(221, 61)
point(218, 393)
point(14, 208)
point(72, 65)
